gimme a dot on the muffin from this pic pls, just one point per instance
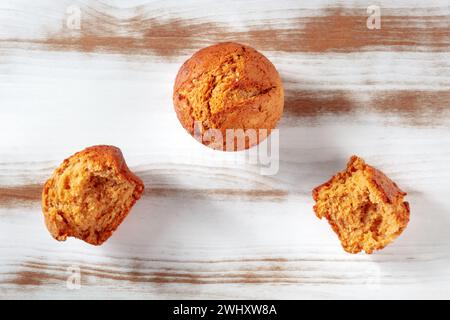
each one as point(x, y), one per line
point(89, 195)
point(363, 206)
point(228, 86)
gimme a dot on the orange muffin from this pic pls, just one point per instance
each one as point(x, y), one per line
point(89, 195)
point(363, 206)
point(228, 86)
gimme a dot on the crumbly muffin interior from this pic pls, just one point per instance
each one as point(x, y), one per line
point(358, 213)
point(86, 201)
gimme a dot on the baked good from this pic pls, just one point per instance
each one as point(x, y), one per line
point(363, 206)
point(228, 86)
point(89, 195)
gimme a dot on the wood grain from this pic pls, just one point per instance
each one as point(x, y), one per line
point(413, 107)
point(140, 31)
point(210, 225)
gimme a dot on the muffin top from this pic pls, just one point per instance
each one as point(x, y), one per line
point(228, 86)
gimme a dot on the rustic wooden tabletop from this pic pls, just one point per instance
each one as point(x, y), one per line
point(210, 225)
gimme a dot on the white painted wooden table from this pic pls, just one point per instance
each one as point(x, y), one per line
point(209, 225)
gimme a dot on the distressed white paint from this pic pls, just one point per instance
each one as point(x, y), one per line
point(55, 103)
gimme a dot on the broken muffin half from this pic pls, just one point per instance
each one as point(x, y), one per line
point(89, 195)
point(363, 206)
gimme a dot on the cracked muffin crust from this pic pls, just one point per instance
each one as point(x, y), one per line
point(228, 86)
point(89, 195)
point(363, 206)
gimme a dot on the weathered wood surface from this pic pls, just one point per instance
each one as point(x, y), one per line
point(210, 225)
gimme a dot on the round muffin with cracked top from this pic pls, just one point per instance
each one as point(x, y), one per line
point(228, 96)
point(89, 195)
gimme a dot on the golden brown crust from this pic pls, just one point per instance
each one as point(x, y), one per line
point(228, 86)
point(382, 191)
point(71, 184)
point(383, 183)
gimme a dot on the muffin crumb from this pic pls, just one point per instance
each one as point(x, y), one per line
point(89, 195)
point(363, 206)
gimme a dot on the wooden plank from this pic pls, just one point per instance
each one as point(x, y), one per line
point(210, 225)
